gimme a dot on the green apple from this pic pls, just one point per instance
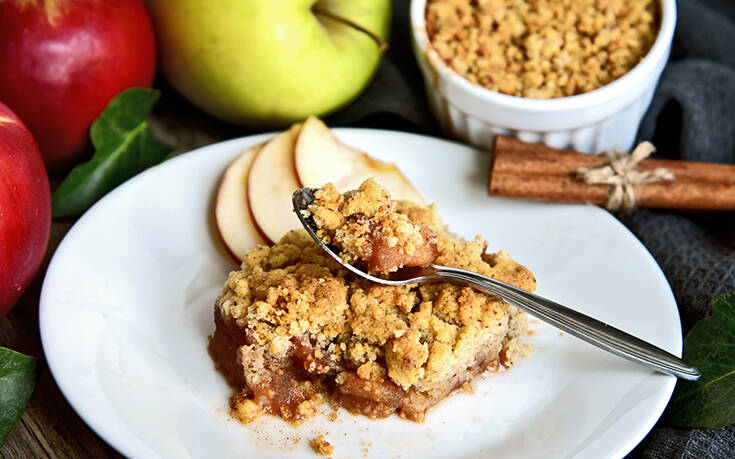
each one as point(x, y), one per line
point(269, 62)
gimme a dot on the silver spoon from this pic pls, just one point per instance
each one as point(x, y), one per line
point(575, 323)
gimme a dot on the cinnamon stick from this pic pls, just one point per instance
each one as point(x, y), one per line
point(538, 172)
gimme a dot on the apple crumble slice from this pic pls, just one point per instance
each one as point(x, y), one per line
point(295, 329)
point(368, 228)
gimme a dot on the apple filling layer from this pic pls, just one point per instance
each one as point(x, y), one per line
point(294, 328)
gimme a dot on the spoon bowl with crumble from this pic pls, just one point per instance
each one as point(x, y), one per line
point(365, 233)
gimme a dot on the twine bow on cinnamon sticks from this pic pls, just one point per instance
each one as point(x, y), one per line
point(621, 175)
point(538, 172)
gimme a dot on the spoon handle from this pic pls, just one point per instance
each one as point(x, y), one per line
point(577, 324)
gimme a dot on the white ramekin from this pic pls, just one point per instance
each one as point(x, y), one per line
point(604, 119)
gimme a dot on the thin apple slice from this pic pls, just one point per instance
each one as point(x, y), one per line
point(231, 211)
point(271, 182)
point(320, 157)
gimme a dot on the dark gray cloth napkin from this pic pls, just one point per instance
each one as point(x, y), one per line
point(692, 117)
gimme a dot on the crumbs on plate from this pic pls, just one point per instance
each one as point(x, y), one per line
point(321, 446)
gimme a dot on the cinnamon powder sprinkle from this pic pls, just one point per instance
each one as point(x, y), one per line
point(542, 48)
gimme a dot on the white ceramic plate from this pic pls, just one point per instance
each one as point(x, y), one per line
point(126, 309)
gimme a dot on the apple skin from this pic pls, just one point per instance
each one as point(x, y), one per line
point(271, 181)
point(268, 63)
point(62, 61)
point(25, 208)
point(232, 216)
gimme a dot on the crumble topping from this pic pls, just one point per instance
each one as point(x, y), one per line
point(542, 48)
point(294, 327)
point(321, 446)
point(367, 227)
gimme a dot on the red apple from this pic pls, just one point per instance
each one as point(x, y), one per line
point(62, 61)
point(25, 208)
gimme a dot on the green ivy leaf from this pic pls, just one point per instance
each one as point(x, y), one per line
point(124, 146)
point(18, 375)
point(710, 346)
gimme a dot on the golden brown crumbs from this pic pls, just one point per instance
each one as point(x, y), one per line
point(321, 446)
point(542, 48)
